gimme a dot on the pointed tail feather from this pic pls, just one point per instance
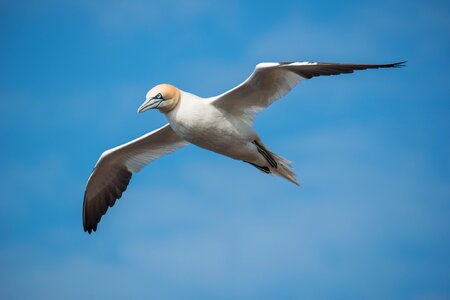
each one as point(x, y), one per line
point(284, 169)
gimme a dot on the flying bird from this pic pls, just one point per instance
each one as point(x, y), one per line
point(222, 124)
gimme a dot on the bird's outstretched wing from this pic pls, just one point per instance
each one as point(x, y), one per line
point(271, 81)
point(113, 171)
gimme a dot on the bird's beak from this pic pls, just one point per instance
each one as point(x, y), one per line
point(149, 104)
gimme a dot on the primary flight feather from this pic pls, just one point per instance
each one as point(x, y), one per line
point(222, 124)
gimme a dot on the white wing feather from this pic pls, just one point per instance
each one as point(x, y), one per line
point(271, 81)
point(113, 171)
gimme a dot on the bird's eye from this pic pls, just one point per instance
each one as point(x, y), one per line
point(159, 96)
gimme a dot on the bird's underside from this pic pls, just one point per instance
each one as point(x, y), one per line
point(268, 82)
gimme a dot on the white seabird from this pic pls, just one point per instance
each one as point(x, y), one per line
point(222, 124)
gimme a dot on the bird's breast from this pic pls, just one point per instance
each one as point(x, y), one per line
point(210, 128)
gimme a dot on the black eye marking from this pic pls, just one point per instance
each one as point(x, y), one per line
point(159, 96)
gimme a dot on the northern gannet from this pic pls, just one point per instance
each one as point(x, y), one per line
point(222, 124)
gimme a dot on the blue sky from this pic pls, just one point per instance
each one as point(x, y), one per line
point(371, 219)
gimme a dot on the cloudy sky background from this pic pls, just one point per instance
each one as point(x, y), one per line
point(371, 219)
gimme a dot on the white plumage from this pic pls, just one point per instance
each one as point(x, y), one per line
point(222, 124)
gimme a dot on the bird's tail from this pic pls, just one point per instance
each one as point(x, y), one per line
point(277, 165)
point(283, 169)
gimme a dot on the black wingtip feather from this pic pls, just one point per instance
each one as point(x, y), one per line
point(399, 64)
point(98, 207)
point(311, 70)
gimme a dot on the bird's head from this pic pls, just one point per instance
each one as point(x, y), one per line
point(163, 97)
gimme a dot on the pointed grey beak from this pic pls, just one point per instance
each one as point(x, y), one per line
point(149, 104)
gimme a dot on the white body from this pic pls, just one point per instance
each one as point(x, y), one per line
point(199, 122)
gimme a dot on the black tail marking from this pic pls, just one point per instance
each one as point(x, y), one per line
point(263, 169)
point(266, 153)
